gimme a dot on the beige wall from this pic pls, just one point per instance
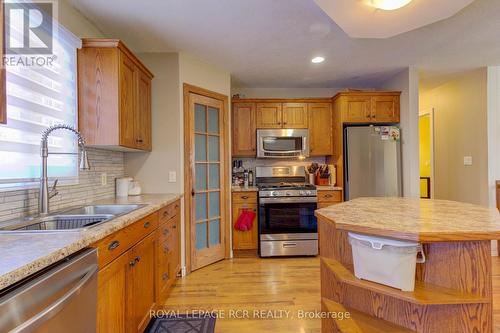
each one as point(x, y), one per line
point(460, 129)
point(152, 169)
point(74, 21)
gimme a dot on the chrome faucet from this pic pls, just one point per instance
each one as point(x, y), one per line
point(45, 195)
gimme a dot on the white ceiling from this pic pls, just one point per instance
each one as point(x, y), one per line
point(269, 43)
point(360, 20)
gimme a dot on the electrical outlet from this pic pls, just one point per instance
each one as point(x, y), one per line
point(104, 179)
point(468, 160)
point(172, 176)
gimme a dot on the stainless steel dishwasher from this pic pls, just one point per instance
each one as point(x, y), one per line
point(61, 298)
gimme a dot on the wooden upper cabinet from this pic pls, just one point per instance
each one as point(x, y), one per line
point(358, 109)
point(269, 115)
point(244, 130)
point(294, 115)
point(320, 129)
point(114, 96)
point(385, 109)
point(370, 106)
point(3, 92)
point(143, 116)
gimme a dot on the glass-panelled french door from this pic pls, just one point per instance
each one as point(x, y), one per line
point(207, 177)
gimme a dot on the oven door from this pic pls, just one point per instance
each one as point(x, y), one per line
point(282, 143)
point(281, 217)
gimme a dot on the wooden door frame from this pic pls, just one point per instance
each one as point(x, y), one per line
point(189, 157)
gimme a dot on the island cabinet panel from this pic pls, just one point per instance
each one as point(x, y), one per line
point(269, 115)
point(295, 115)
point(138, 265)
point(114, 96)
point(453, 288)
point(245, 240)
point(320, 129)
point(244, 130)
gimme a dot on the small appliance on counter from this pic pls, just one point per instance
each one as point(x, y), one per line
point(286, 205)
point(241, 176)
point(127, 186)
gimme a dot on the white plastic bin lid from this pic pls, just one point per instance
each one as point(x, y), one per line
point(379, 242)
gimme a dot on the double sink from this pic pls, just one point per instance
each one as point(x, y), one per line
point(79, 218)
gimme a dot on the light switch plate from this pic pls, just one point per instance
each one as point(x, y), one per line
point(468, 160)
point(172, 176)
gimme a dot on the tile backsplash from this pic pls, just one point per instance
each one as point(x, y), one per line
point(18, 203)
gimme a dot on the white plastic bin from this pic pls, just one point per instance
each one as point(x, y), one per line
point(386, 261)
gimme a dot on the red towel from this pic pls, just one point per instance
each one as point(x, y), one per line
point(245, 220)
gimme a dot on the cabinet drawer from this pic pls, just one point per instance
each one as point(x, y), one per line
point(245, 197)
point(115, 244)
point(329, 196)
point(167, 212)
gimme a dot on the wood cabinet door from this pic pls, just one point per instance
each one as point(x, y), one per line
point(358, 109)
point(385, 109)
point(143, 112)
point(320, 129)
point(244, 130)
point(140, 283)
point(128, 88)
point(269, 115)
point(245, 240)
point(295, 115)
point(111, 296)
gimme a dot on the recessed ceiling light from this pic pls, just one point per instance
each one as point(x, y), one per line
point(387, 4)
point(317, 60)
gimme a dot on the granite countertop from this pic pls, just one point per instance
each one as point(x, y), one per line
point(423, 220)
point(243, 189)
point(23, 254)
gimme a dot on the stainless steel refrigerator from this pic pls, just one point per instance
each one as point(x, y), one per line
point(372, 161)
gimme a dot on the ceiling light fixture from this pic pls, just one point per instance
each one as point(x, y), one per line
point(317, 60)
point(387, 4)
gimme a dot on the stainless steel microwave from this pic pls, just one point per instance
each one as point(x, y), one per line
point(282, 143)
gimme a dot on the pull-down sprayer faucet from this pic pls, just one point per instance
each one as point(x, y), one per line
point(44, 195)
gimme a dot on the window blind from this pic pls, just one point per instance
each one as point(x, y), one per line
point(39, 97)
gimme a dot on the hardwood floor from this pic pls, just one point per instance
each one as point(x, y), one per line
point(252, 284)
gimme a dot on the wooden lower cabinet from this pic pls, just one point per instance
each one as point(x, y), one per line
point(140, 284)
point(139, 279)
point(245, 240)
point(329, 197)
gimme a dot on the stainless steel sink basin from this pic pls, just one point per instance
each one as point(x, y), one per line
point(73, 219)
point(101, 209)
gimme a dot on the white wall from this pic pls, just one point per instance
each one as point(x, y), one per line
point(460, 129)
point(407, 82)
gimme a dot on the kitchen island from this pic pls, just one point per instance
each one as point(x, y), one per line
point(453, 288)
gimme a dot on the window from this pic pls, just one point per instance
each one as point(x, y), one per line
point(38, 97)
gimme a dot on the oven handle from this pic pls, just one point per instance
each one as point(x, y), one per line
point(289, 200)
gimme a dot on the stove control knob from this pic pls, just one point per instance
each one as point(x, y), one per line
point(302, 192)
point(274, 193)
point(308, 193)
point(287, 193)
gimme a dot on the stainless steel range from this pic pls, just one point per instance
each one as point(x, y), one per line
point(287, 225)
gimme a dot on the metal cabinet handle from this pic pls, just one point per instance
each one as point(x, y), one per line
point(174, 227)
point(31, 324)
point(289, 244)
point(138, 140)
point(113, 245)
point(165, 276)
point(146, 225)
point(245, 197)
point(328, 195)
point(137, 259)
point(165, 213)
point(165, 232)
point(132, 263)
